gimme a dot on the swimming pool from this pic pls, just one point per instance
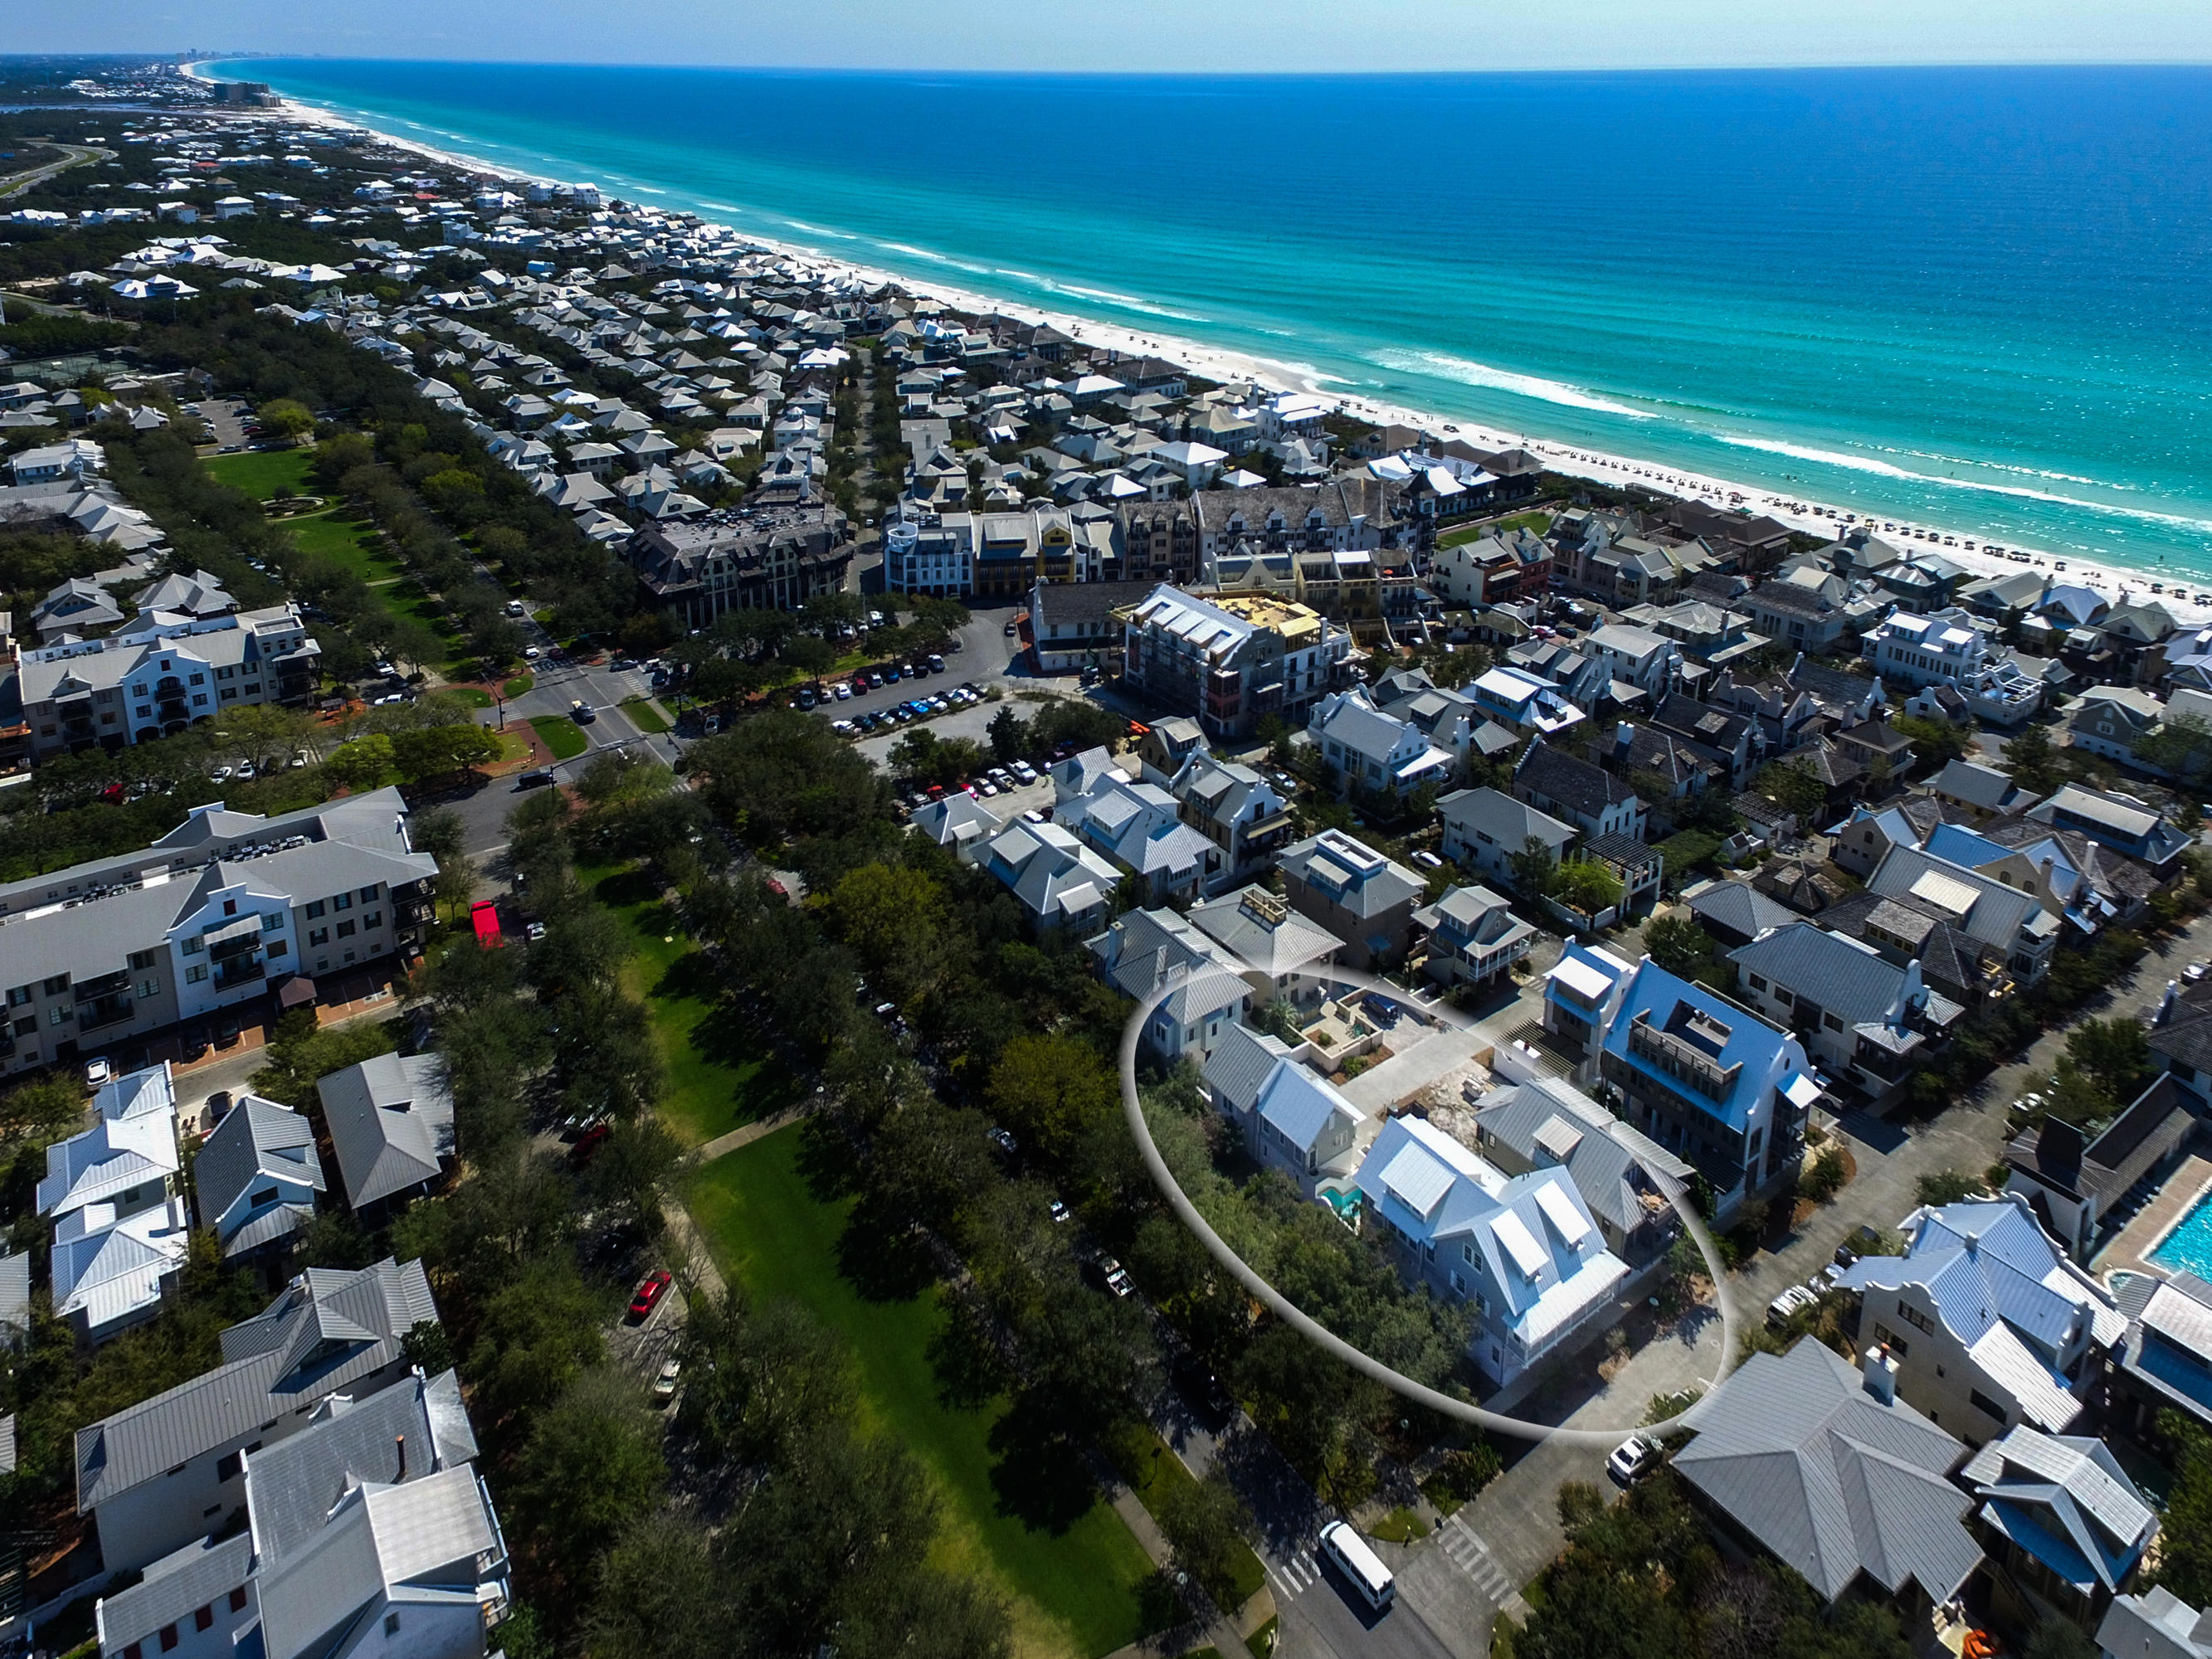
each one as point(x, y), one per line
point(2188, 1244)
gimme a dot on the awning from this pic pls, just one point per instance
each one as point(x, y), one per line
point(1800, 1090)
point(297, 991)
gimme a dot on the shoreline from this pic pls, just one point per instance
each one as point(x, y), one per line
point(1608, 467)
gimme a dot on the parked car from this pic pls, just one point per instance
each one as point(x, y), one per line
point(535, 779)
point(97, 1071)
point(595, 1136)
point(2195, 971)
point(1003, 1140)
point(1631, 1458)
point(1118, 1278)
point(193, 1043)
point(664, 1386)
point(533, 931)
point(227, 1032)
point(1785, 1306)
point(1059, 1211)
point(649, 1292)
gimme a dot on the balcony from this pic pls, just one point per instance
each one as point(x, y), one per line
point(245, 972)
point(107, 1011)
point(238, 945)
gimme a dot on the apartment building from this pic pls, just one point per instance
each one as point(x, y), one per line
point(1948, 650)
point(755, 558)
point(160, 673)
point(206, 917)
point(1233, 659)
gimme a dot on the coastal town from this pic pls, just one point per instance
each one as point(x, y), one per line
point(642, 778)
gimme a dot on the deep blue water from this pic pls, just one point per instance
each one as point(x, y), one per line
point(1970, 297)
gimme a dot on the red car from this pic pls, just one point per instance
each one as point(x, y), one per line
point(590, 1142)
point(649, 1294)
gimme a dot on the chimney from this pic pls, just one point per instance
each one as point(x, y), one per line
point(1880, 1374)
point(399, 1446)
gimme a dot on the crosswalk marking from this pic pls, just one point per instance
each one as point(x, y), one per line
point(1470, 1555)
point(1294, 1574)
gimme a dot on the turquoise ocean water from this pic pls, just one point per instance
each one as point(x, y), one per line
point(1976, 298)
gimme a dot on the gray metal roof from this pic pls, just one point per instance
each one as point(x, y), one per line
point(16, 1292)
point(1841, 976)
point(2157, 1625)
point(326, 1332)
point(257, 1139)
point(1830, 1479)
point(173, 1589)
point(1740, 908)
point(1240, 1063)
point(2063, 1500)
point(392, 1123)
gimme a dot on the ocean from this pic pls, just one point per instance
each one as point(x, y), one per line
point(1975, 298)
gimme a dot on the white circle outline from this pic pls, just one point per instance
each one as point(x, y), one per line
point(1327, 1341)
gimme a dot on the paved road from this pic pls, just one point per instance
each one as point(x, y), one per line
point(16, 184)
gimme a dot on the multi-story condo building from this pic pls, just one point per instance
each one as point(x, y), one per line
point(1233, 659)
point(755, 558)
point(205, 919)
point(1912, 650)
point(928, 551)
point(160, 673)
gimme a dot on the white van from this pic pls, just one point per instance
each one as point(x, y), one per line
point(1359, 1564)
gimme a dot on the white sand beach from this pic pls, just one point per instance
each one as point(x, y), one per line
point(1620, 471)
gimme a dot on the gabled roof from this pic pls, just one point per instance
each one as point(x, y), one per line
point(2064, 1500)
point(268, 1369)
point(257, 1140)
point(1830, 1479)
point(1508, 821)
point(1842, 975)
point(1263, 933)
point(1240, 1064)
point(1300, 1105)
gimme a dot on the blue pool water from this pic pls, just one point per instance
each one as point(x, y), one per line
point(1974, 297)
point(2188, 1246)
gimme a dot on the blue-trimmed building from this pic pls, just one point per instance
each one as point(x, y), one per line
point(1710, 1082)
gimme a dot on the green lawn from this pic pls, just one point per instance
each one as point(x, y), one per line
point(472, 696)
point(1149, 1464)
point(515, 687)
point(720, 1075)
point(560, 734)
point(644, 715)
point(349, 542)
point(261, 472)
point(1538, 522)
point(1075, 1579)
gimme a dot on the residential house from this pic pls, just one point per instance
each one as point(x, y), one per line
point(1650, 662)
point(1286, 958)
point(2111, 720)
point(1640, 871)
point(1494, 569)
point(1293, 1120)
point(1523, 1251)
point(2156, 1625)
point(1860, 844)
point(1473, 936)
point(391, 1123)
point(1981, 793)
point(1146, 952)
point(1948, 649)
point(1869, 1023)
point(1485, 829)
point(1371, 753)
point(2009, 921)
point(2063, 1528)
point(1583, 994)
point(157, 1476)
point(1710, 1082)
point(1166, 744)
point(1623, 1177)
point(255, 1176)
point(1593, 799)
point(959, 821)
point(1802, 1458)
point(1735, 911)
point(1990, 1324)
point(1524, 703)
point(367, 1532)
point(1060, 881)
point(1140, 827)
point(1805, 609)
point(120, 1227)
point(2120, 822)
point(2166, 1364)
point(1354, 893)
point(1237, 810)
point(2074, 1184)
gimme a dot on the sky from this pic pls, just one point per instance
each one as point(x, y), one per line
point(1283, 35)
